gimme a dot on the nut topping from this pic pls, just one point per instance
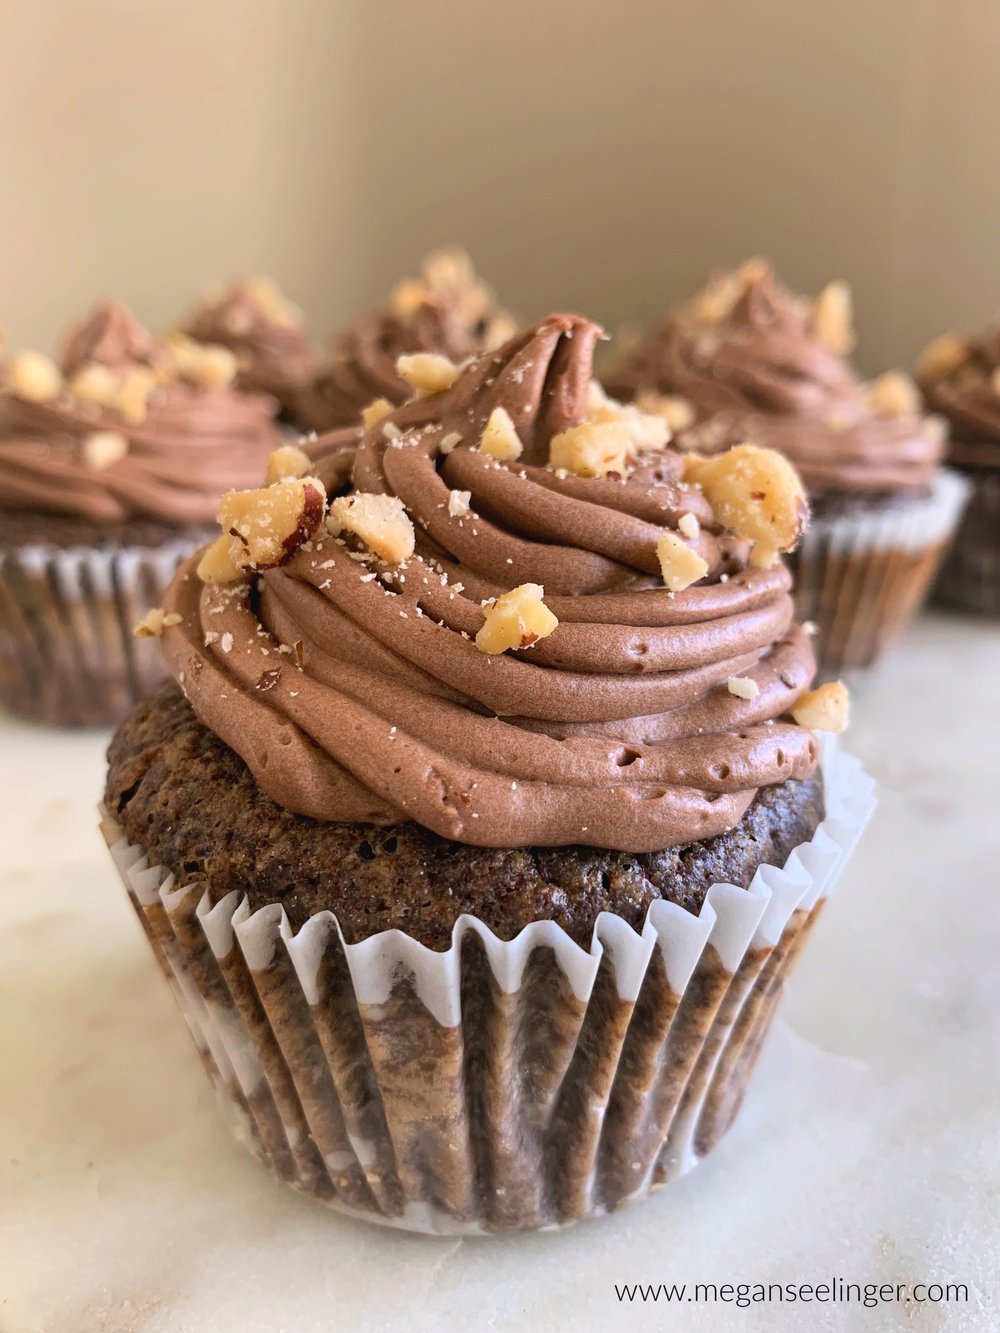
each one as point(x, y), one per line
point(942, 358)
point(263, 528)
point(593, 449)
point(133, 394)
point(154, 622)
point(427, 372)
point(287, 461)
point(742, 687)
point(677, 412)
point(832, 319)
point(500, 438)
point(824, 709)
point(381, 521)
point(756, 494)
point(96, 384)
point(894, 394)
point(103, 448)
point(377, 410)
point(680, 565)
point(516, 620)
point(34, 377)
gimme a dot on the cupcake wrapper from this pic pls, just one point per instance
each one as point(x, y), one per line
point(67, 652)
point(970, 575)
point(862, 577)
point(495, 1085)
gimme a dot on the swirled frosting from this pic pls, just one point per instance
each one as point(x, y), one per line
point(264, 331)
point(448, 310)
point(749, 359)
point(354, 691)
point(181, 443)
point(960, 378)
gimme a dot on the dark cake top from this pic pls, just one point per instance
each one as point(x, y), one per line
point(128, 427)
point(747, 360)
point(513, 616)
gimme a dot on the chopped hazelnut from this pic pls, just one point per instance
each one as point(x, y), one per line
point(680, 565)
point(218, 563)
point(96, 384)
point(647, 431)
point(34, 377)
point(756, 494)
point(407, 297)
point(942, 357)
point(287, 461)
point(381, 521)
point(427, 372)
point(591, 450)
point(449, 442)
point(214, 367)
point(269, 524)
point(516, 620)
point(154, 622)
point(103, 448)
point(894, 394)
point(832, 318)
point(458, 503)
point(271, 303)
point(677, 412)
point(743, 687)
point(500, 438)
point(377, 410)
point(133, 395)
point(824, 709)
point(688, 526)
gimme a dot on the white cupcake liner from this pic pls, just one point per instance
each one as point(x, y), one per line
point(861, 577)
point(494, 1085)
point(67, 652)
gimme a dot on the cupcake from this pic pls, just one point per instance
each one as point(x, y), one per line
point(110, 472)
point(960, 378)
point(747, 360)
point(264, 332)
point(487, 815)
point(448, 310)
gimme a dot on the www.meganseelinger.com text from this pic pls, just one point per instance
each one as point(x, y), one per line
point(836, 1291)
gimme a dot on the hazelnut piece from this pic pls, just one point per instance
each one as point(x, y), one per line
point(680, 565)
point(500, 438)
point(591, 450)
point(756, 494)
point(218, 563)
point(287, 461)
point(34, 377)
point(268, 525)
point(377, 410)
point(103, 448)
point(942, 358)
point(516, 620)
point(824, 709)
point(427, 372)
point(381, 521)
point(894, 394)
point(832, 318)
point(154, 622)
point(96, 384)
point(677, 412)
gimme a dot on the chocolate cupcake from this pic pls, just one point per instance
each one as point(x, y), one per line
point(265, 333)
point(110, 472)
point(448, 310)
point(960, 378)
point(747, 360)
point(484, 821)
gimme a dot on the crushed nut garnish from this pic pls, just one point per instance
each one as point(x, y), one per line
point(154, 622)
point(894, 394)
point(287, 461)
point(96, 384)
point(942, 358)
point(34, 377)
point(516, 620)
point(824, 709)
point(679, 564)
point(500, 438)
point(263, 528)
point(449, 442)
point(743, 687)
point(377, 410)
point(593, 449)
point(832, 318)
point(756, 494)
point(381, 521)
point(132, 395)
point(103, 448)
point(458, 503)
point(677, 412)
point(688, 526)
point(427, 372)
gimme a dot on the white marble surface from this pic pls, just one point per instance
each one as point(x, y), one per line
point(869, 1148)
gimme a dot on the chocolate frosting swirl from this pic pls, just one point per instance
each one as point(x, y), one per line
point(448, 310)
point(354, 691)
point(264, 331)
point(968, 396)
point(192, 443)
point(744, 355)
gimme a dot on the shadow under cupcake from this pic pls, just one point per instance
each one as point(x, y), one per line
point(487, 818)
point(110, 470)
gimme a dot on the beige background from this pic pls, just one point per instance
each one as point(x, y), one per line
point(590, 154)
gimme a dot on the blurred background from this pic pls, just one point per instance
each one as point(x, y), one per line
point(591, 155)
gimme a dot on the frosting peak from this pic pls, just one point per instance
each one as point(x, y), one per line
point(755, 362)
point(360, 690)
point(109, 337)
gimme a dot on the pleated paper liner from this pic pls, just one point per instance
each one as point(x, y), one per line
point(495, 1085)
point(970, 576)
point(67, 653)
point(862, 577)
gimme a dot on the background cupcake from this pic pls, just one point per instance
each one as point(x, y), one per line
point(960, 378)
point(500, 779)
point(264, 331)
point(448, 310)
point(746, 360)
point(110, 471)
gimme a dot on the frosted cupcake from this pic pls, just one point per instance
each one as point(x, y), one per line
point(747, 360)
point(110, 470)
point(960, 378)
point(492, 814)
point(448, 310)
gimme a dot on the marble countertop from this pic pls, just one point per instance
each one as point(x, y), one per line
point(868, 1149)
